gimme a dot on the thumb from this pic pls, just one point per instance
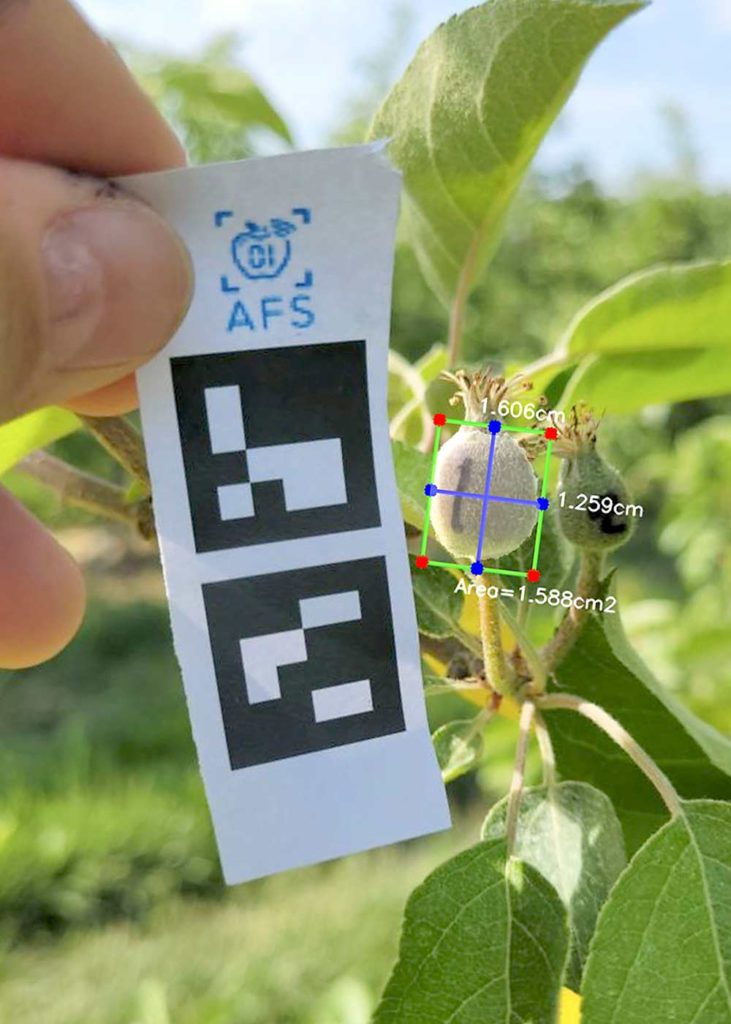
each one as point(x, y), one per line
point(92, 283)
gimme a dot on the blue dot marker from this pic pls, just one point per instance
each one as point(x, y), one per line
point(430, 490)
point(495, 426)
point(477, 568)
point(542, 504)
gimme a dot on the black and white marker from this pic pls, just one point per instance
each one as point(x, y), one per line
point(282, 542)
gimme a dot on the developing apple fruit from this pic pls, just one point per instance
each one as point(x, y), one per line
point(462, 465)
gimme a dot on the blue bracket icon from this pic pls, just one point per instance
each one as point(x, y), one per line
point(226, 285)
point(220, 215)
point(303, 212)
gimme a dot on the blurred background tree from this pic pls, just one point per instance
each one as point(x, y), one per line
point(102, 817)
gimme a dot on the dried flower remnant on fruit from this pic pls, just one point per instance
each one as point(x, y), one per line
point(462, 465)
point(592, 513)
point(481, 393)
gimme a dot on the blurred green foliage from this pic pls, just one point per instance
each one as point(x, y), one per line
point(216, 106)
point(102, 806)
point(566, 240)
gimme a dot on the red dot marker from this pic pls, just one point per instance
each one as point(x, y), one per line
point(439, 419)
point(421, 561)
point(550, 433)
point(533, 575)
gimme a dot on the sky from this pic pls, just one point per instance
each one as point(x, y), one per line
point(308, 55)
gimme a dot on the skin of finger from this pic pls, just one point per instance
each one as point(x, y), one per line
point(31, 197)
point(115, 399)
point(67, 99)
point(42, 595)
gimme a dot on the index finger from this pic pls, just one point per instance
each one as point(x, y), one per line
point(67, 99)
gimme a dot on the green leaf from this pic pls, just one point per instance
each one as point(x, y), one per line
point(469, 113)
point(662, 948)
point(661, 335)
point(438, 607)
point(35, 430)
point(439, 686)
point(458, 747)
point(412, 474)
point(208, 86)
point(217, 107)
point(571, 835)
point(603, 668)
point(627, 383)
point(674, 306)
point(484, 940)
point(432, 363)
point(136, 492)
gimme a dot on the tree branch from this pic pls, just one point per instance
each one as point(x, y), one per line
point(117, 436)
point(81, 490)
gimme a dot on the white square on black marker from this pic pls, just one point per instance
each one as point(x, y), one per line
point(266, 429)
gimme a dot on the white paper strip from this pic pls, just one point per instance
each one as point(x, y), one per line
point(282, 542)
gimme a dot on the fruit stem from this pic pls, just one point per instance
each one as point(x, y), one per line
point(493, 655)
point(587, 586)
point(617, 732)
point(516, 785)
point(532, 658)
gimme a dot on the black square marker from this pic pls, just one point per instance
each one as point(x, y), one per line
point(305, 660)
point(276, 443)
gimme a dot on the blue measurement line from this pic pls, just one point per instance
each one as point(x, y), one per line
point(461, 494)
point(488, 480)
point(485, 497)
point(512, 501)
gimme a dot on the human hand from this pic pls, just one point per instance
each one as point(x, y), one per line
point(92, 282)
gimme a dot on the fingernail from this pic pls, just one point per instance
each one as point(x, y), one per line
point(118, 282)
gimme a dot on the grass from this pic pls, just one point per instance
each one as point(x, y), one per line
point(308, 947)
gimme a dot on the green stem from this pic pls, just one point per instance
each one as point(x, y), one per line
point(496, 669)
point(545, 746)
point(532, 657)
point(587, 586)
point(456, 312)
point(617, 732)
point(527, 712)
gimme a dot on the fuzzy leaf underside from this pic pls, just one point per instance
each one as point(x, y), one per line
point(571, 835)
point(458, 746)
point(662, 948)
point(483, 940)
point(469, 113)
point(603, 668)
point(412, 471)
point(438, 607)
